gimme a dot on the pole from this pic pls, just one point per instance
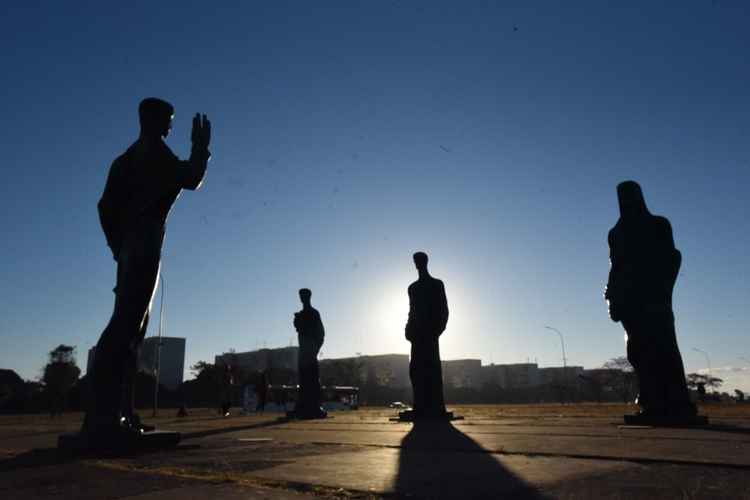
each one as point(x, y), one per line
point(708, 360)
point(564, 360)
point(157, 358)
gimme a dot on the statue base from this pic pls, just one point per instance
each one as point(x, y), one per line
point(315, 414)
point(412, 416)
point(666, 420)
point(152, 440)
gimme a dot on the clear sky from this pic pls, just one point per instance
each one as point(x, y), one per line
point(348, 135)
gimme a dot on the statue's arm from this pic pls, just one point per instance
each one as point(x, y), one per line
point(109, 208)
point(192, 171)
point(443, 308)
point(669, 257)
point(410, 320)
point(612, 292)
point(321, 331)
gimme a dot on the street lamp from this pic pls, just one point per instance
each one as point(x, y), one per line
point(565, 367)
point(157, 358)
point(562, 344)
point(708, 360)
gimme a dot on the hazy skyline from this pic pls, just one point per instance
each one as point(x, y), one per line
point(347, 135)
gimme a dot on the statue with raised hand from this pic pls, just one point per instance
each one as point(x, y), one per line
point(644, 267)
point(142, 185)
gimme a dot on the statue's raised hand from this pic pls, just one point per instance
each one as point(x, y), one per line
point(201, 135)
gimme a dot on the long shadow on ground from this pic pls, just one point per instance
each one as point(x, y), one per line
point(42, 457)
point(438, 460)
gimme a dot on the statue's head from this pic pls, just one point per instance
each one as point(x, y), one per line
point(630, 197)
point(304, 295)
point(155, 116)
point(420, 260)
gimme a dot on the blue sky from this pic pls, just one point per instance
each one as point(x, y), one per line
point(348, 135)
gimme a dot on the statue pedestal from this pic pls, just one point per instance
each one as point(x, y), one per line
point(666, 420)
point(152, 440)
point(410, 416)
point(315, 414)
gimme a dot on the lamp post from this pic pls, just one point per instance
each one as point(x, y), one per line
point(564, 360)
point(157, 357)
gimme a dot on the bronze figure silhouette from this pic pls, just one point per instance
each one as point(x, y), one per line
point(142, 185)
point(644, 268)
point(428, 316)
point(310, 334)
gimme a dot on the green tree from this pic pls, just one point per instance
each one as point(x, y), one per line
point(59, 375)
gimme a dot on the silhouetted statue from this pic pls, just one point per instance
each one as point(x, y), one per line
point(261, 390)
point(310, 334)
point(428, 315)
point(644, 268)
point(142, 186)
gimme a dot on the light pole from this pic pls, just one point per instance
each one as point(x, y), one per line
point(708, 360)
point(565, 366)
point(157, 357)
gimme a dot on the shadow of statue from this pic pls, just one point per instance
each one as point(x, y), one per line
point(438, 460)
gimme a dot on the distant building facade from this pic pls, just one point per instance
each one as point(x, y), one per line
point(171, 359)
point(389, 370)
point(261, 359)
point(511, 376)
point(557, 375)
point(462, 373)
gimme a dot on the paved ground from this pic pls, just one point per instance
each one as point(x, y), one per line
point(362, 454)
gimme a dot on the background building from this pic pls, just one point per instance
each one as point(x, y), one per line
point(512, 376)
point(171, 360)
point(462, 373)
point(262, 359)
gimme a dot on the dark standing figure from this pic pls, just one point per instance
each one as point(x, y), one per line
point(142, 186)
point(261, 390)
point(644, 268)
point(227, 380)
point(310, 334)
point(428, 316)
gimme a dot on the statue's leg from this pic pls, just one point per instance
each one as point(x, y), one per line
point(415, 374)
point(672, 383)
point(435, 380)
point(638, 358)
point(315, 384)
point(131, 368)
point(107, 378)
point(136, 280)
point(303, 397)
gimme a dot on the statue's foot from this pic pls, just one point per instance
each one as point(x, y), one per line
point(308, 413)
point(113, 436)
point(135, 423)
point(662, 419)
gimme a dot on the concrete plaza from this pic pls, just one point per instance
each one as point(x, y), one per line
point(496, 452)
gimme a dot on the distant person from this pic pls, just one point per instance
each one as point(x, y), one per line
point(261, 391)
point(182, 412)
point(226, 390)
point(142, 185)
point(310, 334)
point(644, 268)
point(428, 316)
